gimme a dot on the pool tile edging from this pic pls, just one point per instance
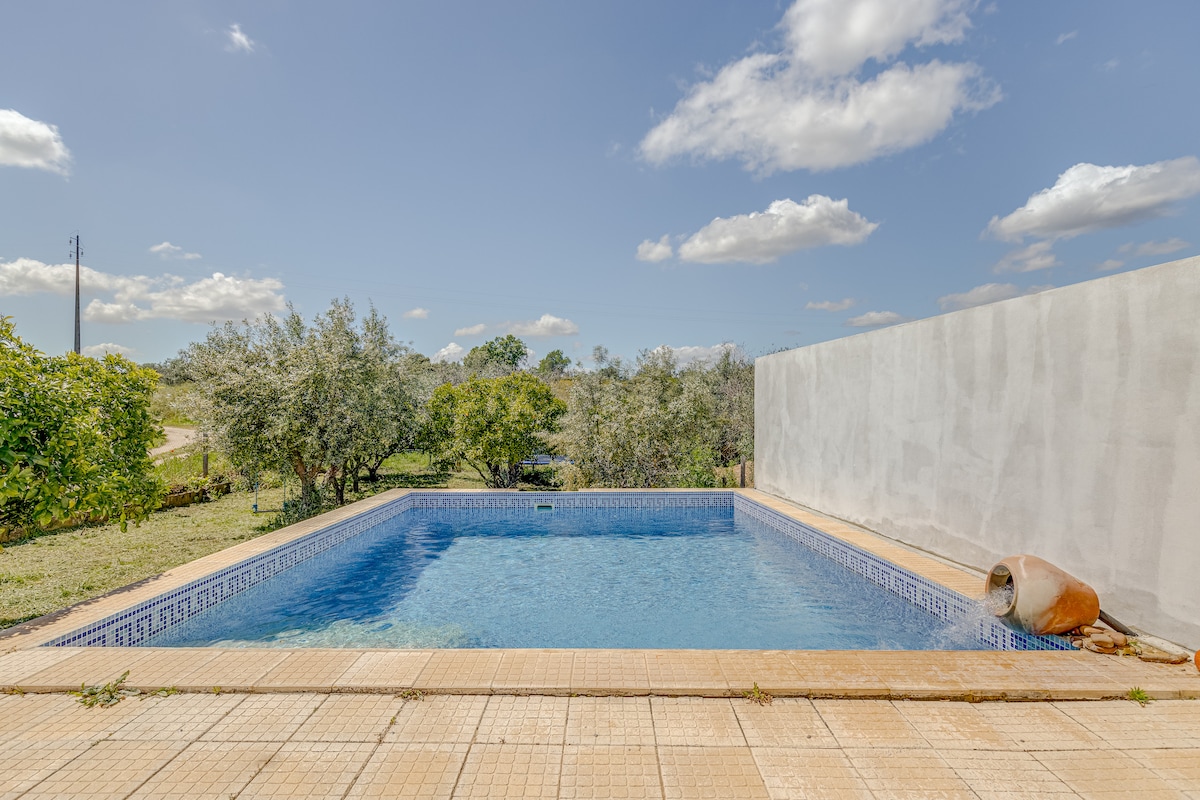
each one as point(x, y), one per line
point(134, 624)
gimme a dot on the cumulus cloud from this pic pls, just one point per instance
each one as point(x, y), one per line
point(238, 41)
point(26, 142)
point(786, 226)
point(450, 352)
point(545, 325)
point(417, 313)
point(101, 350)
point(1088, 197)
point(830, 305)
point(1172, 245)
point(1028, 259)
point(138, 297)
point(1109, 264)
point(987, 293)
point(471, 330)
point(807, 108)
point(835, 37)
point(876, 319)
point(168, 250)
point(692, 353)
point(655, 251)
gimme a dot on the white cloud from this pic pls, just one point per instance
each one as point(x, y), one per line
point(806, 107)
point(450, 352)
point(1110, 65)
point(836, 37)
point(786, 226)
point(876, 319)
point(238, 42)
point(1088, 197)
point(168, 250)
point(136, 297)
point(688, 354)
point(545, 325)
point(417, 313)
point(987, 293)
point(1172, 245)
point(26, 142)
point(471, 330)
point(1028, 259)
point(655, 251)
point(1066, 37)
point(1110, 264)
point(830, 305)
point(100, 350)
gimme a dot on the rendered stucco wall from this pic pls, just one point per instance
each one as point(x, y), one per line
point(1064, 424)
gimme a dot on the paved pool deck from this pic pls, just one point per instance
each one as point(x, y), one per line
point(588, 723)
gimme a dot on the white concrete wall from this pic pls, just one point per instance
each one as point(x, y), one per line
point(1064, 424)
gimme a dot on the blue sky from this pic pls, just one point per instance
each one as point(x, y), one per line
point(622, 173)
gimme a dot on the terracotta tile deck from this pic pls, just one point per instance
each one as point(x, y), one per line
point(589, 723)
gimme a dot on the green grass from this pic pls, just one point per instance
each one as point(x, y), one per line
point(54, 570)
point(58, 569)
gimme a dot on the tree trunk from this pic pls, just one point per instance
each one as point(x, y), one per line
point(337, 479)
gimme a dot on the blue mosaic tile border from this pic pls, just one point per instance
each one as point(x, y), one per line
point(135, 625)
point(524, 500)
point(945, 604)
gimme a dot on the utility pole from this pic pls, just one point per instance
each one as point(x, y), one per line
point(75, 241)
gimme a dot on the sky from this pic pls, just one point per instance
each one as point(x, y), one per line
point(627, 174)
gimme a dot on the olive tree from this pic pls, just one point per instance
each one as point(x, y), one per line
point(500, 356)
point(659, 424)
point(313, 400)
point(75, 434)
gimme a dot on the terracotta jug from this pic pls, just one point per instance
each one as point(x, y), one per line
point(1035, 596)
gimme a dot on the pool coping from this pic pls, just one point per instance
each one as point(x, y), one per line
point(951, 675)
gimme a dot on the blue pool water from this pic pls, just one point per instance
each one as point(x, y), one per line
point(673, 578)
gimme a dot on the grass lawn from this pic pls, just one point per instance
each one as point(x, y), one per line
point(58, 569)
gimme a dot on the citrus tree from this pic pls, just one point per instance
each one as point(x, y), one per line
point(493, 424)
point(75, 434)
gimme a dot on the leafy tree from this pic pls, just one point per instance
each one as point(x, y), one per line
point(500, 356)
point(657, 426)
point(731, 381)
point(171, 372)
point(493, 424)
point(325, 399)
point(554, 365)
point(75, 434)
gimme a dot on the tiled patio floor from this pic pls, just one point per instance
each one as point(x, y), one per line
point(379, 745)
point(590, 723)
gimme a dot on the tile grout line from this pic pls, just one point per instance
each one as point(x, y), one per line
point(470, 747)
point(937, 752)
point(197, 739)
point(662, 784)
point(261, 767)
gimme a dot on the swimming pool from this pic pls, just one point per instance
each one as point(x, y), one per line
point(699, 569)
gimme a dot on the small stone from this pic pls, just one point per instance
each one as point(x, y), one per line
point(1102, 640)
point(1119, 639)
point(1088, 630)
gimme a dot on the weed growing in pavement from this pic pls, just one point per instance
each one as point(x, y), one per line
point(757, 695)
point(109, 694)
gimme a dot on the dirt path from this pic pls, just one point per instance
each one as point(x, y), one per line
point(176, 437)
